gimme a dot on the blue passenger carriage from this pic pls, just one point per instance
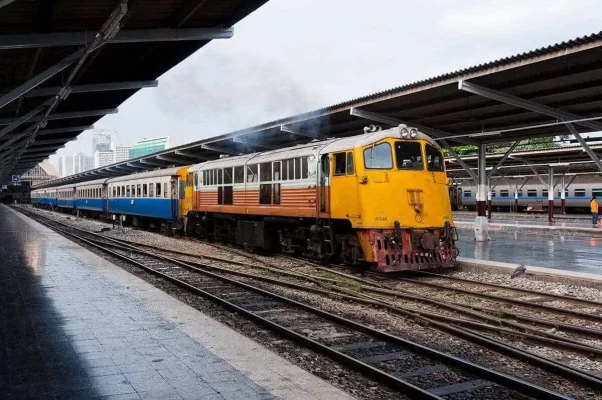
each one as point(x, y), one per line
point(145, 199)
point(66, 196)
point(45, 198)
point(91, 197)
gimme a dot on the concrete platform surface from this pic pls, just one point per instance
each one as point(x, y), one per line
point(570, 253)
point(74, 325)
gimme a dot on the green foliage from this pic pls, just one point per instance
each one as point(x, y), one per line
point(525, 144)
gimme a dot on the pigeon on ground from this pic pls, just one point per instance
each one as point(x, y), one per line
point(518, 271)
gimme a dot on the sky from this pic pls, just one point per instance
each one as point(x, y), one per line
point(293, 56)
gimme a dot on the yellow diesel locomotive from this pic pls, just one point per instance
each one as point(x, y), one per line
point(379, 198)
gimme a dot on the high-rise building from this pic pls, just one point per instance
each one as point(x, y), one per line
point(101, 142)
point(121, 153)
point(65, 166)
point(148, 146)
point(103, 158)
point(82, 163)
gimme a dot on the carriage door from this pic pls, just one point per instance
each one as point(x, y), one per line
point(174, 197)
point(323, 177)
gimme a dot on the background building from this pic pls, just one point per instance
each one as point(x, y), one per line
point(42, 172)
point(103, 158)
point(82, 162)
point(120, 153)
point(148, 146)
point(101, 141)
point(65, 166)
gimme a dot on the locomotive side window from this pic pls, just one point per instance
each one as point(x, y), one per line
point(379, 156)
point(239, 174)
point(297, 168)
point(304, 168)
point(265, 172)
point(409, 156)
point(434, 159)
point(340, 164)
point(350, 166)
point(252, 173)
point(284, 176)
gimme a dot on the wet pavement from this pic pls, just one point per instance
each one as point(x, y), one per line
point(585, 223)
point(571, 253)
point(67, 332)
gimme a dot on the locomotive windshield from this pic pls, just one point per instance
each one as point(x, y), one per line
point(378, 157)
point(434, 159)
point(409, 156)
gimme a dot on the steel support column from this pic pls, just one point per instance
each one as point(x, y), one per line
point(562, 196)
point(482, 182)
point(460, 161)
point(551, 196)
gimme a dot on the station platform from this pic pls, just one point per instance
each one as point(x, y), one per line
point(75, 326)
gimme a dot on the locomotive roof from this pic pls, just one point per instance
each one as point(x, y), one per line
point(92, 183)
point(320, 147)
point(150, 174)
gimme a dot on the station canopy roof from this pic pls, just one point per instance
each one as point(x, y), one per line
point(555, 90)
point(64, 64)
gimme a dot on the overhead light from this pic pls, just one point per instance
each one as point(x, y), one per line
point(560, 164)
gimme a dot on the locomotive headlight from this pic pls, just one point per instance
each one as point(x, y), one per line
point(404, 133)
point(413, 133)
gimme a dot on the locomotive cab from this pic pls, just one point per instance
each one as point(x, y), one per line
point(392, 188)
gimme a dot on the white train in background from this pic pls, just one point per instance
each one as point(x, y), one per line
point(532, 195)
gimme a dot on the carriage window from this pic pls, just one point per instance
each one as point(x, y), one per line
point(566, 192)
point(284, 170)
point(118, 191)
point(220, 176)
point(165, 192)
point(434, 159)
point(145, 190)
point(276, 193)
point(139, 191)
point(520, 193)
point(350, 167)
point(127, 191)
point(492, 193)
point(467, 193)
point(340, 164)
point(532, 193)
point(114, 192)
point(252, 173)
point(409, 156)
point(378, 156)
point(196, 179)
point(265, 172)
point(597, 192)
point(276, 169)
point(304, 168)
point(291, 169)
point(151, 192)
point(297, 168)
point(579, 192)
point(227, 176)
point(504, 193)
point(239, 174)
point(544, 193)
point(158, 189)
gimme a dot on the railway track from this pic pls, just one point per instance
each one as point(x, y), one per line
point(413, 369)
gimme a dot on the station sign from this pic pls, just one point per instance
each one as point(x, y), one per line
point(16, 178)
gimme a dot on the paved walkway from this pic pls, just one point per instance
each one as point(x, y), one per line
point(73, 325)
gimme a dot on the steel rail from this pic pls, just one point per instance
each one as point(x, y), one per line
point(494, 376)
point(506, 287)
